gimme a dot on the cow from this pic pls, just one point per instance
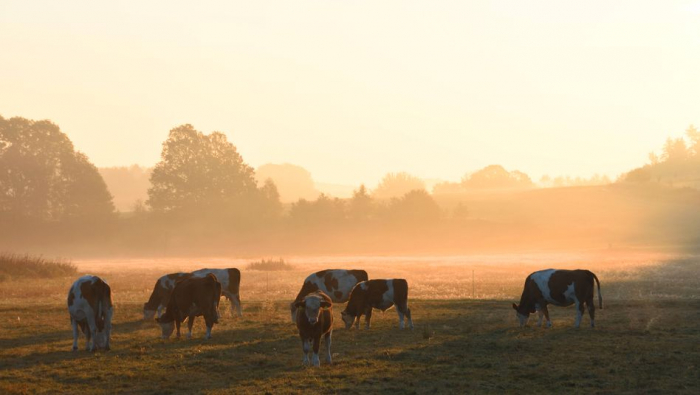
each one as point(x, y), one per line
point(90, 308)
point(192, 297)
point(315, 319)
point(230, 280)
point(377, 294)
point(335, 283)
point(161, 294)
point(560, 288)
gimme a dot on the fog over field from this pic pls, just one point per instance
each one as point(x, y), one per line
point(464, 147)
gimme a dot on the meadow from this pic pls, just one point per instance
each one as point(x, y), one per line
point(466, 338)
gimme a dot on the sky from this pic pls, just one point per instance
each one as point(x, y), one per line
point(351, 90)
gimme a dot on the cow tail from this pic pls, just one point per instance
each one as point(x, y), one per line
point(600, 296)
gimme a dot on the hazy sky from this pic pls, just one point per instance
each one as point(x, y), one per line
point(352, 89)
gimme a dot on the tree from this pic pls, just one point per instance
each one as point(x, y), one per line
point(694, 137)
point(272, 206)
point(496, 177)
point(361, 205)
point(416, 207)
point(674, 150)
point(322, 211)
point(294, 182)
point(201, 173)
point(397, 184)
point(43, 178)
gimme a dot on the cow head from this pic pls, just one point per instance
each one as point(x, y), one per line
point(312, 305)
point(167, 328)
point(348, 318)
point(523, 315)
point(148, 314)
point(100, 339)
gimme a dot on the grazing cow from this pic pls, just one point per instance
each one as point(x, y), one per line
point(90, 307)
point(314, 319)
point(230, 280)
point(161, 294)
point(335, 283)
point(560, 288)
point(377, 294)
point(192, 297)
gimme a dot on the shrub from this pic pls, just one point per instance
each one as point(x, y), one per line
point(16, 266)
point(270, 265)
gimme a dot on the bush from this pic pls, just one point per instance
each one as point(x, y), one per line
point(270, 265)
point(15, 266)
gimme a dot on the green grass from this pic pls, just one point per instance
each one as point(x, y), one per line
point(642, 344)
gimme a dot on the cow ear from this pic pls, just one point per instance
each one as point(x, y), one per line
point(515, 306)
point(299, 304)
point(326, 304)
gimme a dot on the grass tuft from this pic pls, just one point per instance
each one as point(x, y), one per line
point(270, 265)
point(17, 266)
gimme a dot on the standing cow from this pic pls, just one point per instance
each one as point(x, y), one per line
point(230, 280)
point(90, 307)
point(192, 297)
point(315, 319)
point(335, 283)
point(377, 294)
point(560, 288)
point(161, 294)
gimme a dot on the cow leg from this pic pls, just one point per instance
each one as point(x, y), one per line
point(108, 328)
point(540, 314)
point(237, 301)
point(305, 348)
point(177, 326)
point(317, 345)
point(398, 310)
point(159, 310)
point(92, 330)
point(209, 320)
point(591, 311)
point(579, 313)
point(368, 318)
point(74, 324)
point(328, 346)
point(545, 311)
point(357, 321)
point(408, 315)
point(190, 324)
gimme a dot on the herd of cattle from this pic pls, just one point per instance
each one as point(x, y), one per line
point(189, 295)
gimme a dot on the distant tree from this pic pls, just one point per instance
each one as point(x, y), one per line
point(42, 176)
point(694, 137)
point(653, 158)
point(460, 212)
point(201, 173)
point(416, 207)
point(271, 200)
point(127, 184)
point(361, 205)
point(293, 182)
point(397, 184)
point(496, 177)
point(674, 150)
point(641, 174)
point(322, 211)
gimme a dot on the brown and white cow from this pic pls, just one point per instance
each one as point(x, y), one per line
point(192, 297)
point(377, 294)
point(161, 294)
point(90, 308)
point(230, 280)
point(560, 288)
point(335, 283)
point(315, 319)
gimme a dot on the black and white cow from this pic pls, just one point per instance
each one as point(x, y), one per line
point(90, 308)
point(560, 288)
point(377, 294)
point(315, 319)
point(335, 283)
point(192, 297)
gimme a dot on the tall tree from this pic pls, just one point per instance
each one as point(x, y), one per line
point(42, 177)
point(200, 173)
point(396, 185)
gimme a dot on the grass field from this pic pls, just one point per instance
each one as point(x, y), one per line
point(647, 338)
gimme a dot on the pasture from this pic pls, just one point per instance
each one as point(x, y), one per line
point(466, 339)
